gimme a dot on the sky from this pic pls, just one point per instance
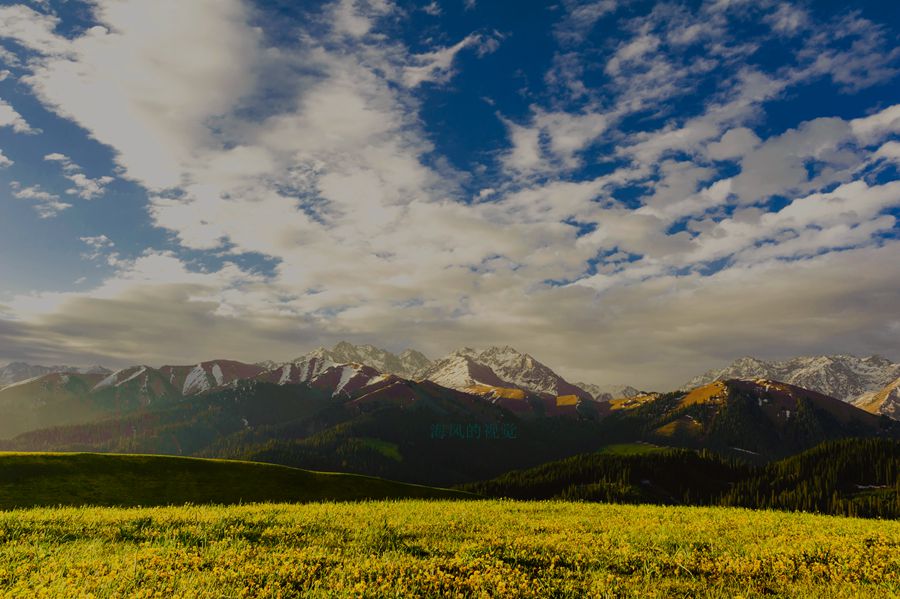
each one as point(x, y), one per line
point(632, 192)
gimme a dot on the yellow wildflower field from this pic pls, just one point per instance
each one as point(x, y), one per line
point(421, 548)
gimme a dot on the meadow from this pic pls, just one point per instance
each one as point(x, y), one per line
point(413, 548)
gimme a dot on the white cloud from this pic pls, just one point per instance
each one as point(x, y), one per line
point(85, 187)
point(525, 154)
point(30, 28)
point(581, 17)
point(46, 204)
point(145, 60)
point(788, 19)
point(552, 140)
point(101, 247)
point(10, 118)
point(735, 143)
point(5, 161)
point(436, 66)
point(355, 18)
point(876, 127)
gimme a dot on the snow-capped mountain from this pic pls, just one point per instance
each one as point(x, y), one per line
point(525, 372)
point(843, 376)
point(609, 392)
point(461, 370)
point(142, 382)
point(408, 364)
point(884, 401)
point(197, 378)
point(322, 373)
point(499, 367)
point(15, 372)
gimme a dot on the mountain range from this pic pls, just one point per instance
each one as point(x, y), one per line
point(842, 376)
point(501, 374)
point(471, 415)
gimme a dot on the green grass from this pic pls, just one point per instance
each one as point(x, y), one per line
point(52, 479)
point(385, 448)
point(632, 449)
point(444, 548)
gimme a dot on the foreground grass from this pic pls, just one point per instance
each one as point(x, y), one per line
point(436, 548)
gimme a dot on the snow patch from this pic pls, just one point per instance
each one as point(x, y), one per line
point(137, 373)
point(744, 450)
point(196, 381)
point(285, 374)
point(218, 375)
point(347, 373)
point(377, 379)
point(109, 381)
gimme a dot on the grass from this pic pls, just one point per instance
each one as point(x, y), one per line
point(444, 548)
point(626, 449)
point(48, 479)
point(385, 448)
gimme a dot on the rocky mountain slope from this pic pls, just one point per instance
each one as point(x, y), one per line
point(884, 401)
point(843, 376)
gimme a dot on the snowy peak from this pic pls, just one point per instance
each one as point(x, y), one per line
point(408, 364)
point(502, 367)
point(843, 376)
point(461, 371)
point(524, 372)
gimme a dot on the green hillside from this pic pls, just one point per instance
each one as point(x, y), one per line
point(48, 479)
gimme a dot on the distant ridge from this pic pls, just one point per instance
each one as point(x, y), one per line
point(15, 372)
point(843, 376)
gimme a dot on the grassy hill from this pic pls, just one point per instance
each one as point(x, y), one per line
point(47, 479)
point(437, 549)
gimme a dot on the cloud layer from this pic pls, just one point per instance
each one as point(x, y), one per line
point(616, 236)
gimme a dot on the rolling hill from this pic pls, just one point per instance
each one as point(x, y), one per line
point(48, 479)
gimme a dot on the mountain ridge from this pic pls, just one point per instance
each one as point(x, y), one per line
point(843, 376)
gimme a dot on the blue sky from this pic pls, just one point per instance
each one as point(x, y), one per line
point(631, 191)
